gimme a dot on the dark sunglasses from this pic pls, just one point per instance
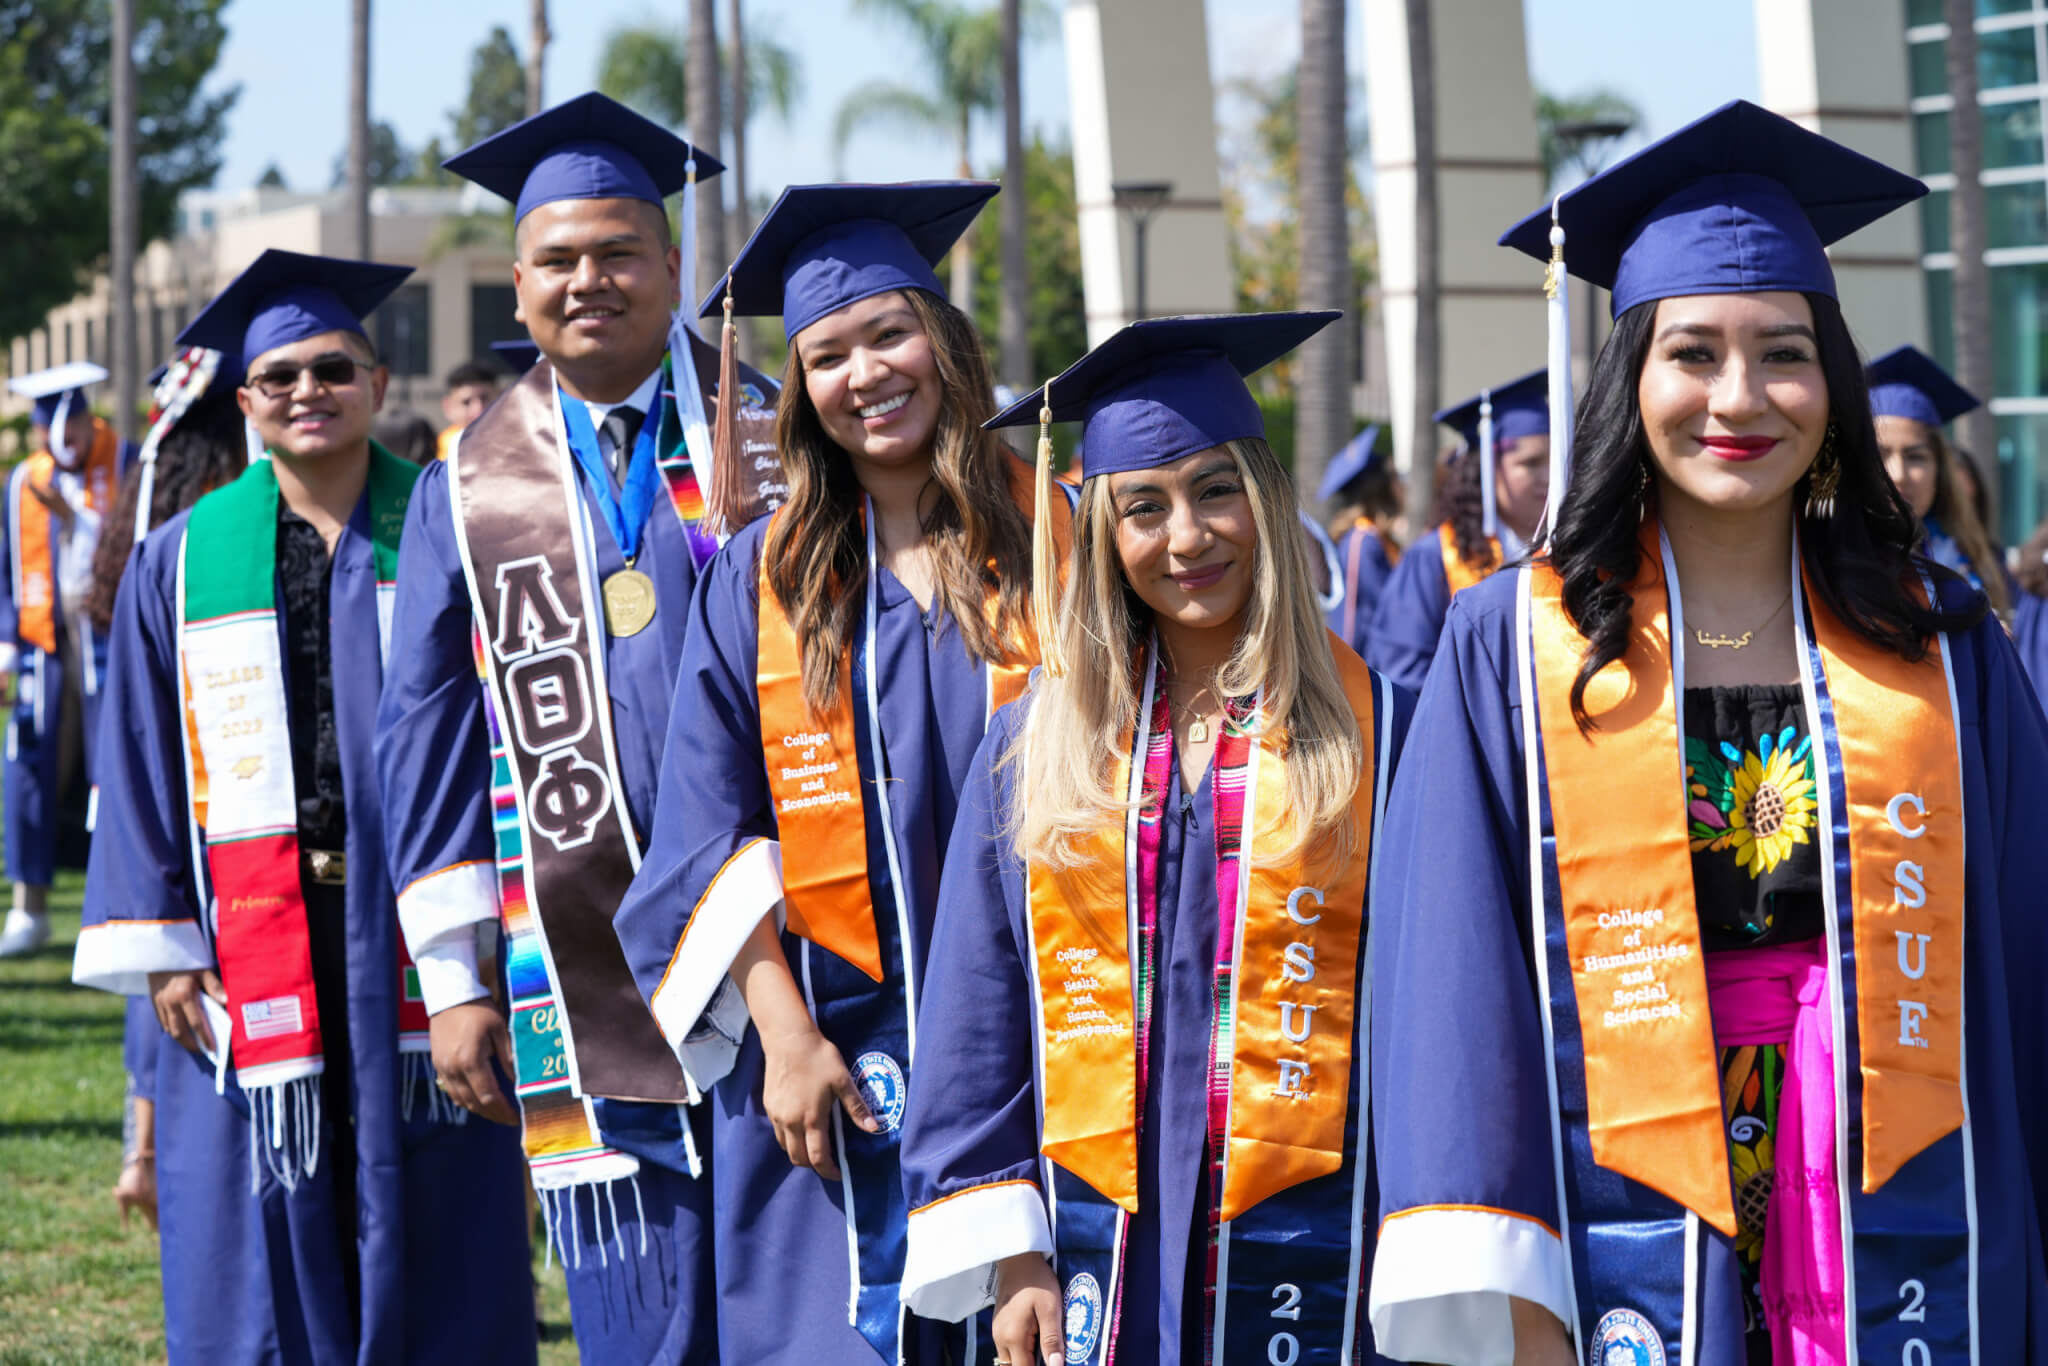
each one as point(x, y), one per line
point(330, 372)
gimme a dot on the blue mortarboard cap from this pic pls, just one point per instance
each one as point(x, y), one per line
point(822, 247)
point(519, 353)
point(1164, 388)
point(286, 296)
point(1908, 382)
point(1358, 455)
point(1521, 407)
point(1740, 201)
point(591, 147)
point(61, 387)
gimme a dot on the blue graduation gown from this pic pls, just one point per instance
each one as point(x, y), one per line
point(1365, 565)
point(2030, 638)
point(1463, 1116)
point(1409, 615)
point(31, 805)
point(440, 1214)
point(975, 1108)
point(783, 1265)
point(434, 754)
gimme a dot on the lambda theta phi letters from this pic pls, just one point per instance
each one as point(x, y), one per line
point(549, 692)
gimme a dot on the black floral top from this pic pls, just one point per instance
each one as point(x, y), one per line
point(305, 573)
point(1751, 807)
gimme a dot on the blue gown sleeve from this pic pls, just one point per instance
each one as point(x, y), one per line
point(1409, 618)
point(1461, 1108)
point(142, 902)
point(2030, 638)
point(970, 1129)
point(434, 757)
point(1352, 617)
point(713, 866)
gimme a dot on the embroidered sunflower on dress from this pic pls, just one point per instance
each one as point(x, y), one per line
point(1759, 803)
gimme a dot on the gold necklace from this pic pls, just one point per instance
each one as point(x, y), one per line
point(1198, 722)
point(1742, 641)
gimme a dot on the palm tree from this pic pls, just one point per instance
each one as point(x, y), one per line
point(1428, 267)
point(1322, 413)
point(124, 226)
point(537, 53)
point(965, 49)
point(358, 217)
point(1966, 230)
point(1016, 302)
point(707, 131)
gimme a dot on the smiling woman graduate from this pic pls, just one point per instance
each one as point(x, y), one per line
point(844, 657)
point(1705, 1023)
point(1142, 1024)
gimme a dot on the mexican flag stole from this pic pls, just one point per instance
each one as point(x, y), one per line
point(829, 892)
point(566, 850)
point(245, 804)
point(1458, 575)
point(30, 532)
point(1636, 1074)
point(1289, 1101)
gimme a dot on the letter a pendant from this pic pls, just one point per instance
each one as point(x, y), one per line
point(628, 602)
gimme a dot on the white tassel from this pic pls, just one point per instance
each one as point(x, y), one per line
point(1557, 290)
point(611, 1189)
point(309, 1138)
point(575, 1245)
point(59, 447)
point(408, 1085)
point(695, 1160)
point(641, 1210)
point(547, 1226)
point(1489, 517)
point(255, 1147)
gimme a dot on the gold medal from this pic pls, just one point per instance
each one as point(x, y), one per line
point(628, 602)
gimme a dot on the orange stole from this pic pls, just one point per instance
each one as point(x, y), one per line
point(38, 604)
point(814, 771)
point(1631, 924)
point(1286, 1125)
point(1458, 576)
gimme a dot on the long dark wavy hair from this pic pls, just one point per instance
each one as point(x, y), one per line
point(1860, 560)
point(1461, 505)
point(204, 451)
point(816, 552)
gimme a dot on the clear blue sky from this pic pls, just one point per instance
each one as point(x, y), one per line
point(291, 62)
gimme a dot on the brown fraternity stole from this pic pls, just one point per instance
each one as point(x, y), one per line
point(530, 567)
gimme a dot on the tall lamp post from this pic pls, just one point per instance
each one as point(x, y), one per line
point(1583, 145)
point(1140, 199)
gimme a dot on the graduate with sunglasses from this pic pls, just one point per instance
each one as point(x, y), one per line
point(1142, 1032)
point(319, 1203)
point(1706, 1016)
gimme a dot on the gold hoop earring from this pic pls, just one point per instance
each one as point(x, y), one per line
point(1824, 479)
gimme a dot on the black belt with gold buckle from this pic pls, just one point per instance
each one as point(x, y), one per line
point(328, 867)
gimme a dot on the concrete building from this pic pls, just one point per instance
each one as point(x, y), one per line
point(458, 301)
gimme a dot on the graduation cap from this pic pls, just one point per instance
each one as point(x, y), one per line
point(287, 296)
point(822, 247)
point(519, 353)
point(1493, 417)
point(57, 390)
point(194, 374)
point(1907, 382)
point(1357, 456)
point(591, 147)
point(1740, 201)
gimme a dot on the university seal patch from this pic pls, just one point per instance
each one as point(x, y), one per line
point(881, 1086)
point(1084, 1318)
point(1626, 1338)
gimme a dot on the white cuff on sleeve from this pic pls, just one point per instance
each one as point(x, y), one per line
point(434, 908)
point(10, 656)
point(955, 1242)
point(448, 973)
point(747, 888)
point(119, 955)
point(1442, 1277)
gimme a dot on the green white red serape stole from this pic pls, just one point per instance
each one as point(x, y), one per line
point(245, 805)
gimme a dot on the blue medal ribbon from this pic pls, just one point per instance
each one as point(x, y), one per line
point(643, 476)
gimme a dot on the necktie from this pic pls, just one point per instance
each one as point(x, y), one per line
point(621, 426)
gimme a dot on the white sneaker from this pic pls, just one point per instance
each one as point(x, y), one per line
point(23, 933)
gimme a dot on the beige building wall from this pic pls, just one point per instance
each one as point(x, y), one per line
point(1488, 176)
point(1839, 68)
point(1142, 108)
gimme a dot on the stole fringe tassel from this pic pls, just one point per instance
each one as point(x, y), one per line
point(571, 1248)
point(284, 1132)
point(416, 1075)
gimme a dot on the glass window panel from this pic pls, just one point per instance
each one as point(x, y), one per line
point(2022, 475)
point(2006, 58)
point(1930, 74)
point(2019, 329)
point(2016, 215)
point(490, 318)
point(2012, 134)
point(1923, 12)
point(2003, 6)
point(1934, 221)
point(1930, 142)
point(401, 330)
point(1941, 330)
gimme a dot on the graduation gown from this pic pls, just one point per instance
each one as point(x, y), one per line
point(972, 1141)
point(785, 1276)
point(434, 761)
point(441, 1264)
point(1365, 567)
point(1471, 1183)
point(29, 780)
point(2030, 638)
point(1409, 616)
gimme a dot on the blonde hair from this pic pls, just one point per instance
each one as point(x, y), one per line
point(1086, 699)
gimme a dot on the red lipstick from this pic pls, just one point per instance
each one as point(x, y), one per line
point(1739, 448)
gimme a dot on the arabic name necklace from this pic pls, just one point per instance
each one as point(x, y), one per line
point(1742, 641)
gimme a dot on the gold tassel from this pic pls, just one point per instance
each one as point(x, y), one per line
point(727, 478)
point(1045, 569)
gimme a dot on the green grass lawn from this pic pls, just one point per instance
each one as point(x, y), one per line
point(76, 1288)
